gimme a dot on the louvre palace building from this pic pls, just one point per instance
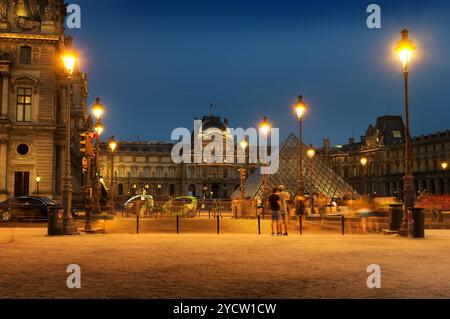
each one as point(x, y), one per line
point(148, 166)
point(34, 100)
point(382, 146)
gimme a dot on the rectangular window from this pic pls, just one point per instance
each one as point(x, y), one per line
point(24, 96)
point(25, 55)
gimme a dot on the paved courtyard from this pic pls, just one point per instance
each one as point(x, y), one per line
point(33, 265)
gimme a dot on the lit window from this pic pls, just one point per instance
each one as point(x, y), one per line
point(396, 134)
point(24, 96)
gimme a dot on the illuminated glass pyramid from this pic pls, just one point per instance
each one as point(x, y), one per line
point(318, 176)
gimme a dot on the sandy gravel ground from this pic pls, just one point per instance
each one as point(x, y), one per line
point(33, 265)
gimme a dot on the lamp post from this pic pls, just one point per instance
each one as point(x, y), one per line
point(404, 48)
point(112, 147)
point(265, 130)
point(300, 109)
point(363, 162)
point(444, 165)
point(38, 180)
point(98, 110)
point(243, 170)
point(69, 61)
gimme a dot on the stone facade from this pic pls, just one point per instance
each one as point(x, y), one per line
point(383, 147)
point(33, 100)
point(148, 165)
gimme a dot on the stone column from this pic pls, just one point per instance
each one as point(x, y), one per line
point(5, 96)
point(3, 169)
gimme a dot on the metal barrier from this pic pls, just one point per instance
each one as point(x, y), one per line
point(228, 224)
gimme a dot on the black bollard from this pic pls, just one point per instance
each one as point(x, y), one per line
point(178, 224)
point(343, 224)
point(218, 224)
point(300, 224)
point(138, 212)
point(259, 224)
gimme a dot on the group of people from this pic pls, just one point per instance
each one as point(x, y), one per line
point(278, 203)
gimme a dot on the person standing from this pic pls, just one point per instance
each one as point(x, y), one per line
point(284, 198)
point(322, 204)
point(275, 206)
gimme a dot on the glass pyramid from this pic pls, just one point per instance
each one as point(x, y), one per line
point(317, 175)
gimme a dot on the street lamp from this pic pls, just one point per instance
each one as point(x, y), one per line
point(300, 109)
point(265, 126)
point(69, 61)
point(444, 165)
point(311, 152)
point(243, 170)
point(244, 144)
point(363, 162)
point(97, 110)
point(38, 180)
point(405, 48)
point(265, 129)
point(99, 128)
point(112, 147)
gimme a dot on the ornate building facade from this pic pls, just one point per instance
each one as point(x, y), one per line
point(149, 166)
point(383, 147)
point(33, 99)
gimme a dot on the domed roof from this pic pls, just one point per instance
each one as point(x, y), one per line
point(214, 122)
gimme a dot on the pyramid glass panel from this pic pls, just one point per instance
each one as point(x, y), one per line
point(318, 176)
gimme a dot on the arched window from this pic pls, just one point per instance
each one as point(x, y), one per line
point(25, 55)
point(171, 190)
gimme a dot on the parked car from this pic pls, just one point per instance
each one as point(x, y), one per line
point(27, 208)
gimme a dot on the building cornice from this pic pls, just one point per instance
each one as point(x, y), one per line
point(30, 37)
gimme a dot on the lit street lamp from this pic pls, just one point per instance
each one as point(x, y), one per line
point(444, 165)
point(265, 129)
point(300, 109)
point(243, 170)
point(311, 152)
point(244, 144)
point(69, 60)
point(97, 110)
point(363, 175)
point(404, 48)
point(112, 147)
point(38, 180)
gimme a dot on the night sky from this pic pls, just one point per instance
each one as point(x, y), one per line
point(158, 64)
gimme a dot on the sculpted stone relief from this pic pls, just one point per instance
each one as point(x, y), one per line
point(4, 6)
point(28, 14)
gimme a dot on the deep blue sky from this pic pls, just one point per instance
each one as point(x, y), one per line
point(158, 64)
